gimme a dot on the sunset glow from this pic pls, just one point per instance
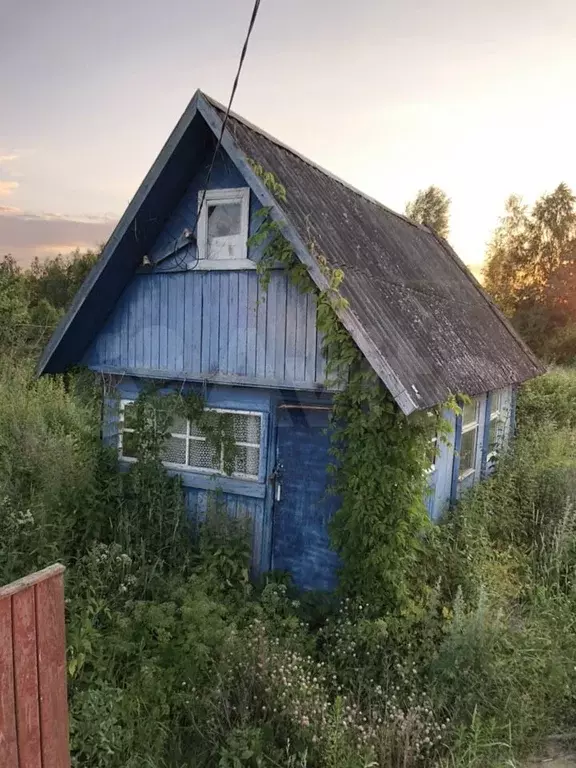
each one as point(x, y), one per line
point(392, 97)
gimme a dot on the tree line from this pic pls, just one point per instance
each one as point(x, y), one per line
point(530, 265)
point(33, 299)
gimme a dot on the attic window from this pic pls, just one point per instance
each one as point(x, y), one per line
point(223, 228)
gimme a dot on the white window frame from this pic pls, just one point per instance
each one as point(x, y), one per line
point(499, 416)
point(122, 429)
point(468, 427)
point(187, 437)
point(432, 468)
point(239, 195)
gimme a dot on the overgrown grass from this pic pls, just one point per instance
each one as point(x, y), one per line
point(176, 659)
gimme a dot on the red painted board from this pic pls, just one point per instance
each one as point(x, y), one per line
point(51, 639)
point(26, 678)
point(8, 733)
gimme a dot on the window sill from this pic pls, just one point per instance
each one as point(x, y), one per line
point(213, 482)
point(209, 265)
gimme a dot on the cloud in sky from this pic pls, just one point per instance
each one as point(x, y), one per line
point(26, 235)
point(7, 187)
point(8, 158)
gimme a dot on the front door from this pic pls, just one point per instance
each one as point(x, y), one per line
point(302, 506)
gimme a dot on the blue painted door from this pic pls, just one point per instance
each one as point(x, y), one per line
point(302, 507)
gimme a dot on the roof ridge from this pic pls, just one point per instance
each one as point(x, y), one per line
point(310, 162)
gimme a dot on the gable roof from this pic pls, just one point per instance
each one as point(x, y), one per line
point(416, 312)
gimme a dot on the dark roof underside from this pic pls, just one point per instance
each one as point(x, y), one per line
point(415, 299)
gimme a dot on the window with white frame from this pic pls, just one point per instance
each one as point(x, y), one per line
point(223, 225)
point(432, 455)
point(497, 421)
point(469, 440)
point(187, 448)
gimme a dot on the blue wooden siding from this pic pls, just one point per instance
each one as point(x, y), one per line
point(302, 514)
point(221, 326)
point(253, 510)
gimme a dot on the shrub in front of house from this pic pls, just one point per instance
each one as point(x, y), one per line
point(176, 658)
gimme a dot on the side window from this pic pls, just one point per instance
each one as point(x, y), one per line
point(223, 225)
point(497, 423)
point(469, 441)
point(126, 431)
point(432, 455)
point(187, 448)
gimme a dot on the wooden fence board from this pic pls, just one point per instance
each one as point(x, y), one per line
point(8, 733)
point(51, 636)
point(26, 678)
point(33, 700)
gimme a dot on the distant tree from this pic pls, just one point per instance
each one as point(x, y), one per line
point(32, 301)
point(51, 286)
point(505, 270)
point(531, 271)
point(431, 207)
point(14, 312)
point(57, 279)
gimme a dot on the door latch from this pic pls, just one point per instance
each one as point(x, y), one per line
point(276, 479)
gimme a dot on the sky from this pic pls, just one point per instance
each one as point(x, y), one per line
point(475, 96)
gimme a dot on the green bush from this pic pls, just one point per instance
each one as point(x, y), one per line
point(549, 399)
point(506, 560)
point(176, 658)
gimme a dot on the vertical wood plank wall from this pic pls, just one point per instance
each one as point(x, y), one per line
point(213, 325)
point(33, 696)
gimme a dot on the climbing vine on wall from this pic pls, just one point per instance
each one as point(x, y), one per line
point(380, 455)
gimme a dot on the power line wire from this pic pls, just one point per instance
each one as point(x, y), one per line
point(218, 143)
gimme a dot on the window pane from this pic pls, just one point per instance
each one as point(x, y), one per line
point(246, 428)
point(224, 219)
point(174, 450)
point(494, 438)
point(432, 452)
point(194, 431)
point(129, 444)
point(203, 456)
point(495, 403)
point(469, 413)
point(247, 460)
point(177, 424)
point(468, 450)
point(130, 415)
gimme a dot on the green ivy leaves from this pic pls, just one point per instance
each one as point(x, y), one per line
point(380, 455)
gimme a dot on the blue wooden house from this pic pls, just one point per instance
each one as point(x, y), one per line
point(176, 298)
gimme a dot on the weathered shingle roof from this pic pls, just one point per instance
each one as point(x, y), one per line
point(422, 308)
point(415, 311)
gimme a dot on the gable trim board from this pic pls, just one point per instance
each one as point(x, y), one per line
point(407, 370)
